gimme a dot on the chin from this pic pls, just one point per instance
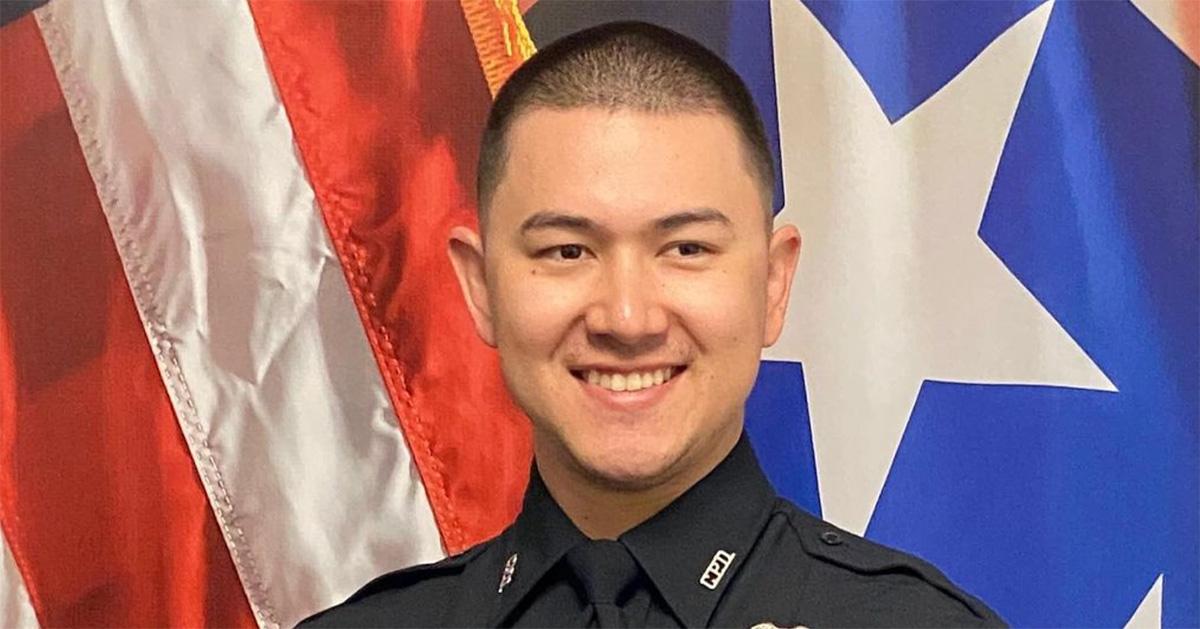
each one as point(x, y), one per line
point(629, 466)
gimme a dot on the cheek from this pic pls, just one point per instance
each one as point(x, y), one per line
point(534, 311)
point(723, 309)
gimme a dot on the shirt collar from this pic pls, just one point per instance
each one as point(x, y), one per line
point(718, 518)
point(541, 535)
point(710, 528)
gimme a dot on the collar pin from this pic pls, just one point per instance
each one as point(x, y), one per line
point(712, 575)
point(510, 567)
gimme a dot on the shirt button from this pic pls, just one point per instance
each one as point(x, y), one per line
point(831, 538)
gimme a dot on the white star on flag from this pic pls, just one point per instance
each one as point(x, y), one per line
point(1149, 612)
point(895, 286)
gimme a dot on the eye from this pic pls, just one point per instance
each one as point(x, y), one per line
point(688, 249)
point(565, 253)
point(570, 252)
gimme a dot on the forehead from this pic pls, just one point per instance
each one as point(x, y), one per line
point(624, 166)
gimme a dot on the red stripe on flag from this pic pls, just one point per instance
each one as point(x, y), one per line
point(387, 101)
point(99, 498)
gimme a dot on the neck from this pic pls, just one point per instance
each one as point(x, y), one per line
point(602, 509)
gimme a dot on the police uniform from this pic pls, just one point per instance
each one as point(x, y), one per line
point(728, 552)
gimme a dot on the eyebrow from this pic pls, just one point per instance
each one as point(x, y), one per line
point(557, 220)
point(691, 217)
point(549, 219)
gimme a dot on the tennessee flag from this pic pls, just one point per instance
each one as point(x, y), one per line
point(991, 354)
point(237, 380)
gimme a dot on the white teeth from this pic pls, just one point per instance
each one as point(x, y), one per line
point(629, 381)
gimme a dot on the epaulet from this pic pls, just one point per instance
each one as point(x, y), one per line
point(449, 566)
point(829, 543)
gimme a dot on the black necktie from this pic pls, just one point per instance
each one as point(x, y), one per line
point(609, 576)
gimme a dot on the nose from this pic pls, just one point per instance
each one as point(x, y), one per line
point(627, 307)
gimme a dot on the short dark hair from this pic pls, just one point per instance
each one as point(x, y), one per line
point(623, 65)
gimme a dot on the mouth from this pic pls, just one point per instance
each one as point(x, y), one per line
point(628, 381)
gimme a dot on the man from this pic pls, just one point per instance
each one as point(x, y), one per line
point(627, 270)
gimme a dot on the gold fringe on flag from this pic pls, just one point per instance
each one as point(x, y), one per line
point(501, 40)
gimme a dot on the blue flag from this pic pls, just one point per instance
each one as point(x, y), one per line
point(991, 359)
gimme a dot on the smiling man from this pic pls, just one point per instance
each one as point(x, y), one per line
point(628, 272)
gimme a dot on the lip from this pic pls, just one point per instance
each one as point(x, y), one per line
point(630, 401)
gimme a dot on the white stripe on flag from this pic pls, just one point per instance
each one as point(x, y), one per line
point(15, 608)
point(243, 299)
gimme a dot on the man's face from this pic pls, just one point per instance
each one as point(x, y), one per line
point(629, 282)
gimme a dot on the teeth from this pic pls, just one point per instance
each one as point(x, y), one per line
point(629, 381)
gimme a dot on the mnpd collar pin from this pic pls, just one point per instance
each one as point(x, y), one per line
point(716, 569)
point(510, 567)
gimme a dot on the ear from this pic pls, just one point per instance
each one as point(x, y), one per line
point(782, 254)
point(466, 254)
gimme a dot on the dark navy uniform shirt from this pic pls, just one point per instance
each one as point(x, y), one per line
point(728, 552)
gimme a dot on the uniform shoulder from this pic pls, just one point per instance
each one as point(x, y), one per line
point(881, 581)
point(416, 596)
